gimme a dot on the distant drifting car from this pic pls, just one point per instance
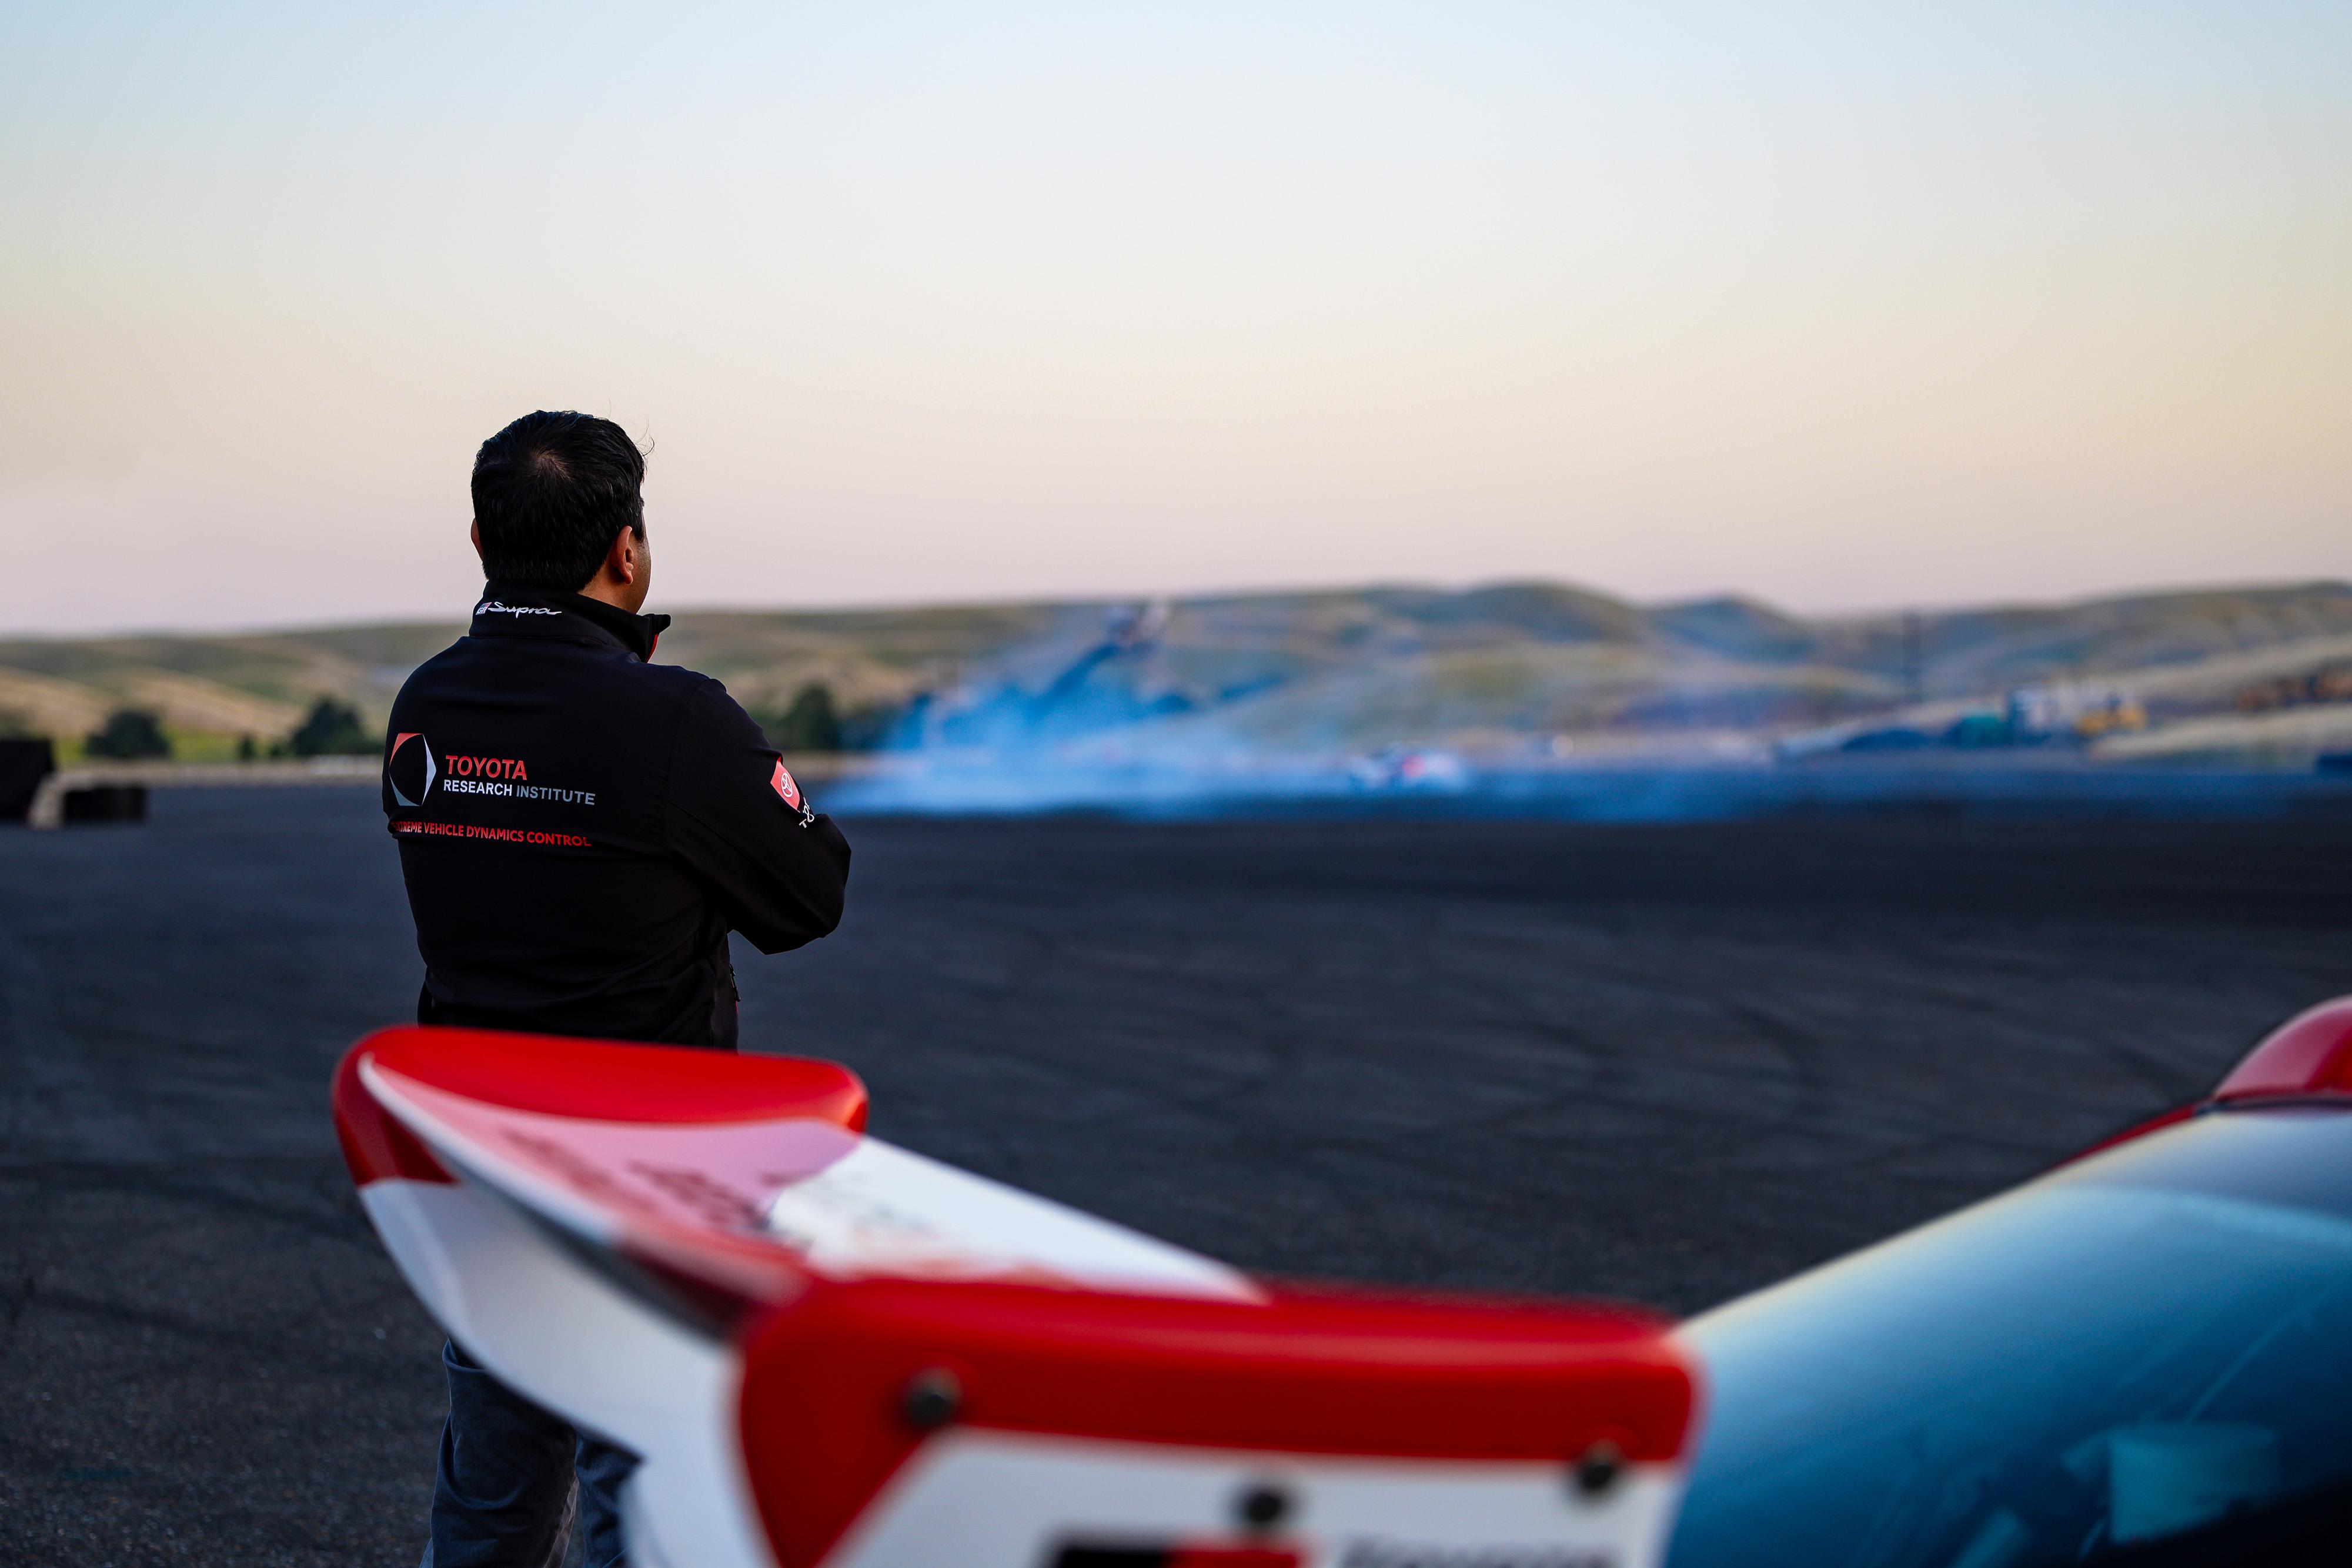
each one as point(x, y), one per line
point(833, 1351)
point(1408, 767)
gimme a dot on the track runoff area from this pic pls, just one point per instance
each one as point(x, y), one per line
point(1660, 1063)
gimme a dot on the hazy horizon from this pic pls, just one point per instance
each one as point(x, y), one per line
point(1847, 310)
point(658, 605)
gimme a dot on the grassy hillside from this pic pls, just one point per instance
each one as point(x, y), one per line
point(1495, 666)
point(1976, 649)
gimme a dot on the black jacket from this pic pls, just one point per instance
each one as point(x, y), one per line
point(580, 829)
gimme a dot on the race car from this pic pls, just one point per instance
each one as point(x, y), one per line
point(1407, 767)
point(2143, 1357)
point(834, 1352)
point(831, 1351)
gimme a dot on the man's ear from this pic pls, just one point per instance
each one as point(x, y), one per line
point(477, 533)
point(622, 560)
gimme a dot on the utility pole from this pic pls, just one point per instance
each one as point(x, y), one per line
point(1914, 661)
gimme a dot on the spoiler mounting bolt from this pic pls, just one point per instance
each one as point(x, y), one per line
point(1262, 1505)
point(933, 1397)
point(1597, 1470)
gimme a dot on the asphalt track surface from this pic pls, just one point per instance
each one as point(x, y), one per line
point(1661, 1063)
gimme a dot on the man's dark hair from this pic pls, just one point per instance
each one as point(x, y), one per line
point(551, 491)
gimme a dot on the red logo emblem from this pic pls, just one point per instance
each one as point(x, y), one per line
point(392, 757)
point(782, 784)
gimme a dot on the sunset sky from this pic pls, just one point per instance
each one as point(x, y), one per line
point(1845, 307)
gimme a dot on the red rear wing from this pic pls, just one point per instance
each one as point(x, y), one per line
point(919, 1357)
point(2307, 1057)
point(2311, 1053)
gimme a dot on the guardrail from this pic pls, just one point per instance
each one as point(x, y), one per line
point(49, 807)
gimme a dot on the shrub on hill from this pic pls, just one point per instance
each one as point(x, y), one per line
point(129, 733)
point(333, 730)
point(809, 723)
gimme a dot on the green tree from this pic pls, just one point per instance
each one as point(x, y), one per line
point(333, 730)
point(128, 733)
point(811, 723)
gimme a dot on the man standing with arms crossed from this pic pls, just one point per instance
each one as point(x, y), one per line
point(579, 831)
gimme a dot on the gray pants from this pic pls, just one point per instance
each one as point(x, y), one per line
point(514, 1479)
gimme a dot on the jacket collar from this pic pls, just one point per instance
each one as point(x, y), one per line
point(511, 609)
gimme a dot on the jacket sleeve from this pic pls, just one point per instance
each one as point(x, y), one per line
point(737, 820)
